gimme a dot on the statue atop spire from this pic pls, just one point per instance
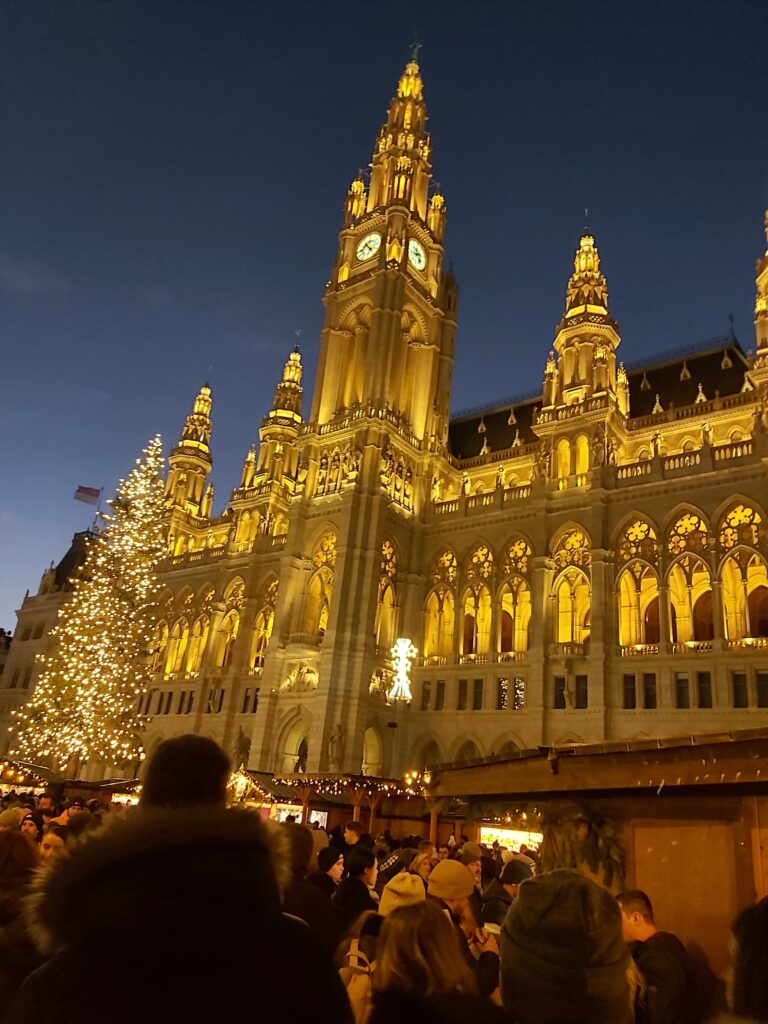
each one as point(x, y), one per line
point(587, 290)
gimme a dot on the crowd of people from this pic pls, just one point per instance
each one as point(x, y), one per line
point(184, 909)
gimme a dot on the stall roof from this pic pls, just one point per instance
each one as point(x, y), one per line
point(710, 759)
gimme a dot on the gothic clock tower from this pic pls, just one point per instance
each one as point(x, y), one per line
point(389, 329)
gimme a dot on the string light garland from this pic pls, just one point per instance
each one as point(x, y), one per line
point(85, 705)
point(343, 785)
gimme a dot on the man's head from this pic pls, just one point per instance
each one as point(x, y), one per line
point(513, 874)
point(46, 802)
point(471, 855)
point(428, 847)
point(352, 832)
point(637, 922)
point(331, 861)
point(444, 852)
point(562, 953)
point(186, 771)
point(452, 883)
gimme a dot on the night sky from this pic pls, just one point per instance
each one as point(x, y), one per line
point(172, 179)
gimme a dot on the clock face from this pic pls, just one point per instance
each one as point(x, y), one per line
point(416, 255)
point(368, 247)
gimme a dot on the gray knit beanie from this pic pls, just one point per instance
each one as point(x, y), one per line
point(563, 957)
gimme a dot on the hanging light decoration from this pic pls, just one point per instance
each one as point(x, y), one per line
point(403, 654)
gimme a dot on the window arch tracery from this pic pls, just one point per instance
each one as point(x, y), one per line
point(572, 587)
point(440, 606)
point(384, 622)
point(743, 573)
point(515, 598)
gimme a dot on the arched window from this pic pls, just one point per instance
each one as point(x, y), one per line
point(317, 608)
point(263, 625)
point(582, 454)
point(384, 623)
point(690, 600)
point(468, 751)
point(573, 600)
point(159, 646)
point(230, 627)
point(514, 626)
point(563, 459)
point(638, 585)
point(177, 646)
point(438, 631)
point(319, 602)
point(572, 589)
point(476, 603)
point(197, 644)
point(440, 608)
point(373, 753)
point(741, 532)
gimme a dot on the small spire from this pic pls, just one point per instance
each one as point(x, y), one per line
point(587, 290)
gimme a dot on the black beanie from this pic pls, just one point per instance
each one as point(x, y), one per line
point(562, 953)
point(327, 857)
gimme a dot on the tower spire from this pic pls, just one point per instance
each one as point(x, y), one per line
point(400, 166)
point(587, 290)
point(190, 461)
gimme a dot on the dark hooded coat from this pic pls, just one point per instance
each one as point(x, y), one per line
point(175, 915)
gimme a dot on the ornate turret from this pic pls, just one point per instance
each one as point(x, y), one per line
point(587, 290)
point(190, 461)
point(400, 168)
point(280, 427)
point(760, 361)
point(587, 336)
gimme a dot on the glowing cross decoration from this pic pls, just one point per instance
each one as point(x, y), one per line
point(403, 654)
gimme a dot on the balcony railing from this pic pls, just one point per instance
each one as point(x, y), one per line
point(693, 647)
point(306, 639)
point(748, 643)
point(638, 650)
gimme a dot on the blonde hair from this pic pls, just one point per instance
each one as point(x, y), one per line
point(418, 951)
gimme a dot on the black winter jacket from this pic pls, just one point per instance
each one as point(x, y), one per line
point(175, 916)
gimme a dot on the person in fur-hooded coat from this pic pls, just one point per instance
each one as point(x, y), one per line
point(174, 915)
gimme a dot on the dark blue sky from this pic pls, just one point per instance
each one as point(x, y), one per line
point(172, 177)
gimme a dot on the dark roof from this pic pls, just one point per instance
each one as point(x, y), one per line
point(73, 559)
point(465, 441)
point(704, 363)
point(704, 366)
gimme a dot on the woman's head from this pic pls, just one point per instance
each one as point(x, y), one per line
point(421, 865)
point(18, 859)
point(52, 843)
point(418, 951)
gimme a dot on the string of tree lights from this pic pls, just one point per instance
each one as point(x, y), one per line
point(85, 706)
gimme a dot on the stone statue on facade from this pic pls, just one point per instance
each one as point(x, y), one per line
point(336, 744)
point(241, 751)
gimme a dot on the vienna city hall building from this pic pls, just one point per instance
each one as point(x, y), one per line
point(586, 564)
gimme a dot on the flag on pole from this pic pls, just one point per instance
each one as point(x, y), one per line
point(90, 495)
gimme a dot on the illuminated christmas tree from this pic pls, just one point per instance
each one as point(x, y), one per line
point(85, 705)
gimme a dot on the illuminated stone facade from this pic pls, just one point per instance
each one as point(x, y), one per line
point(585, 563)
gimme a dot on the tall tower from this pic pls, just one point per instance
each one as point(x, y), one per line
point(585, 393)
point(760, 361)
point(190, 461)
point(390, 322)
